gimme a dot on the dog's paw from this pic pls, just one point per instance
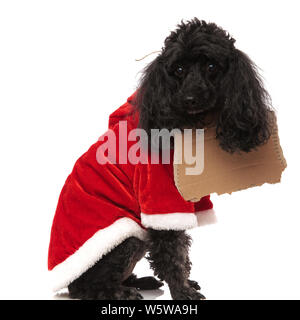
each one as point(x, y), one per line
point(186, 293)
point(127, 293)
point(144, 283)
point(107, 293)
point(194, 284)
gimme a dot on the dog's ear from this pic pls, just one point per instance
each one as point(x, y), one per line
point(153, 95)
point(245, 119)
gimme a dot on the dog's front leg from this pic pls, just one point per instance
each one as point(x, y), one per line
point(168, 257)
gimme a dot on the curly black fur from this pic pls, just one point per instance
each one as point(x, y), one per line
point(110, 278)
point(169, 258)
point(199, 71)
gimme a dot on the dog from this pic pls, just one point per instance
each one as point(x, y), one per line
point(198, 75)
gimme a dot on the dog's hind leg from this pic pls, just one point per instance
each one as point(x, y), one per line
point(105, 279)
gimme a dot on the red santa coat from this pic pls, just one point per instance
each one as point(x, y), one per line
point(101, 205)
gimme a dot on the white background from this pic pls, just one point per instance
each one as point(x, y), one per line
point(66, 65)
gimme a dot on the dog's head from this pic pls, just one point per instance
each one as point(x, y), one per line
point(199, 73)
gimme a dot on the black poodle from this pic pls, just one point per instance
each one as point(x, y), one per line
point(198, 73)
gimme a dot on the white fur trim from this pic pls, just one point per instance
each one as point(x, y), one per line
point(93, 249)
point(178, 220)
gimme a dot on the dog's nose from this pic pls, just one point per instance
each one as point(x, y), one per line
point(190, 101)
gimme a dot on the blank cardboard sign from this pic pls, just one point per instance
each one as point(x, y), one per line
point(224, 172)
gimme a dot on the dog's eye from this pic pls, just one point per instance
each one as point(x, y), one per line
point(211, 67)
point(179, 71)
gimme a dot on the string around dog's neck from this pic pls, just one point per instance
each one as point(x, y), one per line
point(147, 55)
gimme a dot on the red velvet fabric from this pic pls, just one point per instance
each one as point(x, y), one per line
point(95, 196)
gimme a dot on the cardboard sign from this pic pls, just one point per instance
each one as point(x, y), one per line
point(226, 173)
